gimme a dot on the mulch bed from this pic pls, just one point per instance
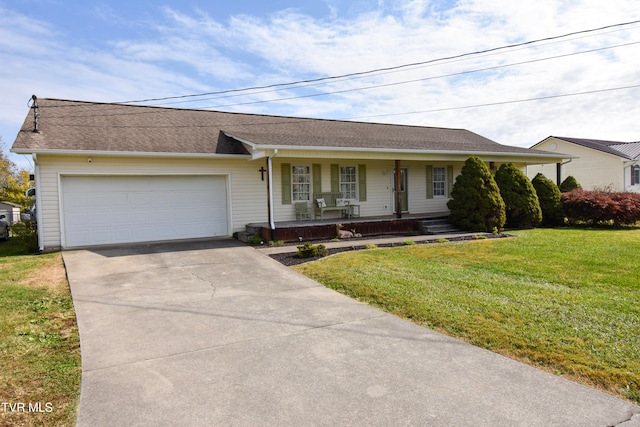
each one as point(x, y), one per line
point(290, 259)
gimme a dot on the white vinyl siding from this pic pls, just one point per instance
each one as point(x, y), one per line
point(593, 169)
point(246, 192)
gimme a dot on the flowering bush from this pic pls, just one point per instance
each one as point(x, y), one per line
point(601, 207)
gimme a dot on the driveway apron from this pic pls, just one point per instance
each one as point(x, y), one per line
point(214, 332)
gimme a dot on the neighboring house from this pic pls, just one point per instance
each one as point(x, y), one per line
point(598, 164)
point(11, 211)
point(114, 173)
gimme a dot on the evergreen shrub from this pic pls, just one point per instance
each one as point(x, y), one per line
point(549, 197)
point(476, 203)
point(570, 183)
point(520, 198)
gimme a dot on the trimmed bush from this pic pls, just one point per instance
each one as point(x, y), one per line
point(600, 207)
point(311, 251)
point(569, 184)
point(520, 198)
point(26, 232)
point(549, 197)
point(476, 203)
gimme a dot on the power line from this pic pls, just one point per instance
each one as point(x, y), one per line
point(491, 104)
point(382, 85)
point(361, 73)
point(378, 86)
point(295, 120)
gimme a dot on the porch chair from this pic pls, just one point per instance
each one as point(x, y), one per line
point(302, 211)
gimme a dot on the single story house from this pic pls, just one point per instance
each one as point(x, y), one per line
point(116, 173)
point(597, 164)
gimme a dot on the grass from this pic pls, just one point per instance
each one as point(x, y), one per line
point(564, 300)
point(39, 345)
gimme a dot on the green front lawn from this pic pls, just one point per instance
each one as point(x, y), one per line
point(564, 300)
point(39, 345)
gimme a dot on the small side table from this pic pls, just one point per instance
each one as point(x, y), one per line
point(354, 211)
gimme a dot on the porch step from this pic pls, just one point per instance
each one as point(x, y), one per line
point(437, 226)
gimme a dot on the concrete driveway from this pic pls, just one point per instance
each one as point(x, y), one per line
point(214, 332)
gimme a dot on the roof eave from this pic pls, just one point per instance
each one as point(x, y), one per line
point(260, 147)
point(128, 153)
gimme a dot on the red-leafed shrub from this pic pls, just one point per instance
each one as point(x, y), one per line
point(601, 207)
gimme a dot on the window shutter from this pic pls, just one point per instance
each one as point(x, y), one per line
point(286, 183)
point(317, 178)
point(362, 183)
point(449, 180)
point(429, 182)
point(335, 178)
point(633, 175)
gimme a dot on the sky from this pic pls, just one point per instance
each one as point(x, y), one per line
point(507, 70)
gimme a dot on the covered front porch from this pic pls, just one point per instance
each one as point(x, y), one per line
point(294, 231)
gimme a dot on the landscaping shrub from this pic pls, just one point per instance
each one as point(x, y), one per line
point(519, 196)
point(549, 197)
point(27, 233)
point(600, 207)
point(476, 203)
point(310, 251)
point(569, 184)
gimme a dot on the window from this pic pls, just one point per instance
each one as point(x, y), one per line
point(635, 175)
point(301, 183)
point(439, 182)
point(349, 182)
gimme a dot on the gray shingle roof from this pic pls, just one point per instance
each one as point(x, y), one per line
point(75, 125)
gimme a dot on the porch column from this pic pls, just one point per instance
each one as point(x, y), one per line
point(558, 174)
point(272, 224)
point(398, 183)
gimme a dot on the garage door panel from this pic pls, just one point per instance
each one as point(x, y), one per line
point(122, 209)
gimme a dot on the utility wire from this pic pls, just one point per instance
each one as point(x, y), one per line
point(490, 104)
point(296, 120)
point(416, 80)
point(383, 84)
point(361, 73)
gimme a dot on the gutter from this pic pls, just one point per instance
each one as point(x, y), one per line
point(128, 153)
point(259, 148)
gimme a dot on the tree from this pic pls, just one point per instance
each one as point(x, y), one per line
point(569, 184)
point(16, 188)
point(520, 198)
point(7, 168)
point(550, 200)
point(476, 203)
point(13, 183)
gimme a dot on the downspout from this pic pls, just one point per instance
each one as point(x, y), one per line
point(39, 222)
point(559, 171)
point(272, 223)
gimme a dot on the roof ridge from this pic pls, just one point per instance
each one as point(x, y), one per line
point(121, 104)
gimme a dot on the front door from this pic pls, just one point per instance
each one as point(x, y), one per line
point(404, 194)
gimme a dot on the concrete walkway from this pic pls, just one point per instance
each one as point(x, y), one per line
point(216, 333)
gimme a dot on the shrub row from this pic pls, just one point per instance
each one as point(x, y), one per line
point(600, 207)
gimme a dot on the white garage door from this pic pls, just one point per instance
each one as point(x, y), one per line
point(100, 210)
